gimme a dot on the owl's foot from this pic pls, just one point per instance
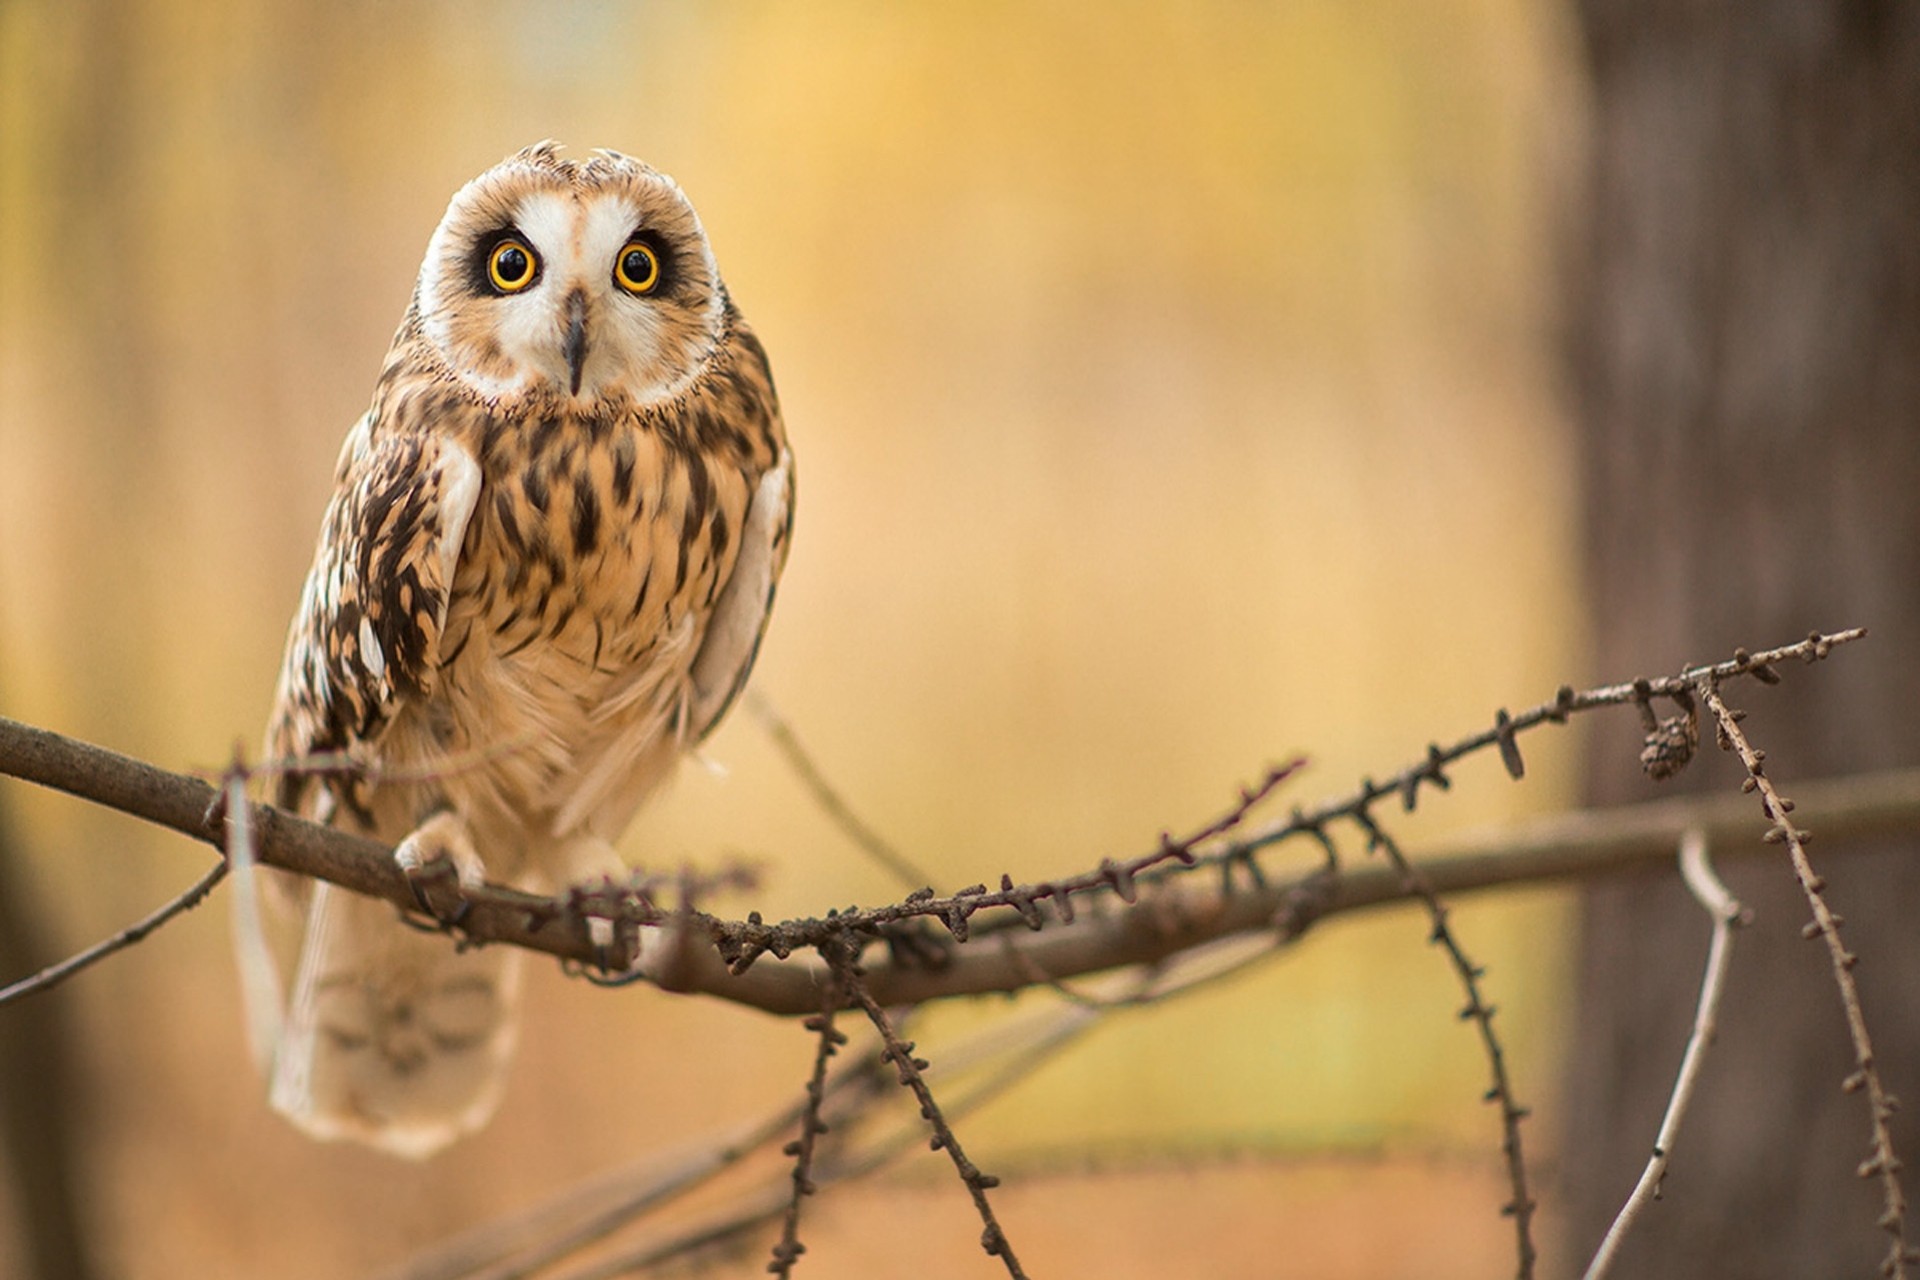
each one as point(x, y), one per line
point(439, 861)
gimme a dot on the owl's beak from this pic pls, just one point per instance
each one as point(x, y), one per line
point(575, 347)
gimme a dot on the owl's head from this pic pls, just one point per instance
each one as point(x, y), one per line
point(585, 279)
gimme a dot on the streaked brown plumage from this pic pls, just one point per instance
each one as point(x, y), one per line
point(543, 576)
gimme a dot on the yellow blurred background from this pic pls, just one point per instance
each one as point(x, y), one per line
point(1172, 391)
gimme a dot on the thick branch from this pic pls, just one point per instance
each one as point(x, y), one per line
point(187, 805)
point(1173, 913)
point(1167, 920)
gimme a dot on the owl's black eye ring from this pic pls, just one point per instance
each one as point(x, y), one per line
point(511, 266)
point(637, 269)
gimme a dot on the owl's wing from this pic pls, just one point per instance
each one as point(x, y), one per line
point(739, 618)
point(367, 633)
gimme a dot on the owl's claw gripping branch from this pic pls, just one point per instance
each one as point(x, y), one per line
point(431, 884)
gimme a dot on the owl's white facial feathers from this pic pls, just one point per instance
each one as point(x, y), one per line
point(576, 218)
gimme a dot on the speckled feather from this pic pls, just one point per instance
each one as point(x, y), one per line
point(527, 601)
point(594, 541)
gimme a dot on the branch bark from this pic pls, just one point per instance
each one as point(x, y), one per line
point(1170, 917)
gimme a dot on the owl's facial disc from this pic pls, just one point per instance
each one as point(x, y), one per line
point(594, 281)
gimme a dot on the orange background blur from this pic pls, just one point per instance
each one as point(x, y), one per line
point(1172, 391)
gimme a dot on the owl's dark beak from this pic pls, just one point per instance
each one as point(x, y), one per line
point(575, 347)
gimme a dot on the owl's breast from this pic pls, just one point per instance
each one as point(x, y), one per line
point(589, 570)
point(594, 540)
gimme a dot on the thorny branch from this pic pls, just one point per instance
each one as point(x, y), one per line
point(1170, 919)
point(1727, 914)
point(1520, 1208)
point(558, 926)
point(1007, 1051)
point(1882, 1162)
point(900, 1052)
point(829, 1039)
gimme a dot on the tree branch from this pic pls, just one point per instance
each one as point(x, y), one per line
point(1727, 914)
point(53, 975)
point(1171, 915)
point(1882, 1163)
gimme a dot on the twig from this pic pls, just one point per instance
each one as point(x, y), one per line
point(55, 974)
point(742, 944)
point(1882, 1162)
point(1562, 847)
point(1025, 1042)
point(800, 760)
point(900, 1052)
point(1727, 914)
point(1521, 1206)
point(262, 999)
point(1506, 728)
point(788, 1250)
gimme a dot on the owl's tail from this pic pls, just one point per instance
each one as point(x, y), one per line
point(392, 1037)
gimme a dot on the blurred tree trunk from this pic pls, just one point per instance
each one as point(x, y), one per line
point(1745, 345)
point(39, 1141)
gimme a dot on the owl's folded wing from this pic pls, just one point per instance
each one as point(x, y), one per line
point(367, 633)
point(726, 655)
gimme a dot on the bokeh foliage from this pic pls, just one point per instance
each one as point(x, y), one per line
point(1171, 390)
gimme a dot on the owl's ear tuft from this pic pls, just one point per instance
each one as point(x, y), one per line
point(545, 153)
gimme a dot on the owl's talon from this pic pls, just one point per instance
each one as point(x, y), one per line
point(421, 879)
point(419, 894)
point(440, 850)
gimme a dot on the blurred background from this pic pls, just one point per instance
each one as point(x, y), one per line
point(1173, 390)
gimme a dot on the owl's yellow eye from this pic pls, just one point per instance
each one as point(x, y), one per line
point(637, 269)
point(511, 266)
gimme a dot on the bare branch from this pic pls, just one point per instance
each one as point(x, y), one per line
point(1882, 1162)
point(1042, 1039)
point(1521, 1206)
point(1170, 918)
point(1506, 729)
point(54, 975)
point(516, 1247)
point(827, 1040)
point(1166, 922)
point(187, 805)
point(900, 1052)
point(1727, 914)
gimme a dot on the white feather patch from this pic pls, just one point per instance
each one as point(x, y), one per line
point(740, 615)
point(459, 494)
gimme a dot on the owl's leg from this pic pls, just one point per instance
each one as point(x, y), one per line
point(439, 849)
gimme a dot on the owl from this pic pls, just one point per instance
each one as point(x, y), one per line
point(542, 578)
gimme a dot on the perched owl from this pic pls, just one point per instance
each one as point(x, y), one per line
point(543, 576)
